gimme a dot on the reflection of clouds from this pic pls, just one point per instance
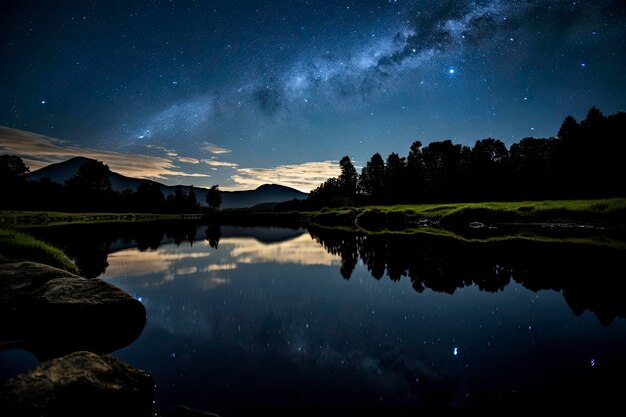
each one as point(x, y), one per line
point(187, 270)
point(132, 262)
point(220, 267)
point(168, 262)
point(210, 283)
point(301, 251)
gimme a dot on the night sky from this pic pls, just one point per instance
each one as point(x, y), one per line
point(240, 93)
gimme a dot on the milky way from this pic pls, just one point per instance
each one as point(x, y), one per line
point(289, 82)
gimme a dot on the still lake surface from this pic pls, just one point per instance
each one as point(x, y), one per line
point(270, 321)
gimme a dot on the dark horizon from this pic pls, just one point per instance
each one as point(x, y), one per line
point(583, 161)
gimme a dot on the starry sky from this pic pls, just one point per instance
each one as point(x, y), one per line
point(240, 93)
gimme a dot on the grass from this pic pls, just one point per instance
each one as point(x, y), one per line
point(512, 220)
point(450, 215)
point(598, 222)
point(547, 210)
point(522, 235)
point(52, 218)
point(16, 246)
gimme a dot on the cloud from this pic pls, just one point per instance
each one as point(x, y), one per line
point(187, 160)
point(39, 150)
point(215, 149)
point(303, 177)
point(215, 163)
point(168, 152)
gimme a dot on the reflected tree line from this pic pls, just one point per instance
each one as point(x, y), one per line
point(89, 245)
point(585, 274)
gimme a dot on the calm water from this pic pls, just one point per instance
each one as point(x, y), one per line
point(291, 322)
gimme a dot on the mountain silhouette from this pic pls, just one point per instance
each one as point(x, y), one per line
point(264, 194)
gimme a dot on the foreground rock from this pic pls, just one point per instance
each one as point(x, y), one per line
point(52, 312)
point(82, 383)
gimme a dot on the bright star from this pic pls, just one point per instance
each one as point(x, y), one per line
point(451, 71)
point(43, 101)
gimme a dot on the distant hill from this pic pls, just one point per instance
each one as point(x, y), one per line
point(267, 193)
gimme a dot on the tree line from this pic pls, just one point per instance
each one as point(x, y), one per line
point(90, 190)
point(585, 160)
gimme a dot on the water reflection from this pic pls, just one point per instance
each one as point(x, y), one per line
point(259, 321)
point(170, 262)
point(585, 274)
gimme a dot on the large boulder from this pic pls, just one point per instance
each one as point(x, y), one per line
point(52, 312)
point(19, 279)
point(81, 383)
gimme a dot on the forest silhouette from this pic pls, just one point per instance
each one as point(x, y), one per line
point(584, 160)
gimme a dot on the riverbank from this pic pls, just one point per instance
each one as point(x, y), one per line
point(600, 221)
point(53, 218)
point(595, 213)
point(601, 213)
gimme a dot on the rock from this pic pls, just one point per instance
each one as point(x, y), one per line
point(54, 312)
point(81, 383)
point(20, 278)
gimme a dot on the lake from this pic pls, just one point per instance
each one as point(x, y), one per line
point(271, 321)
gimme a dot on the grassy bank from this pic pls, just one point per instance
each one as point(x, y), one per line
point(51, 218)
point(18, 246)
point(596, 213)
point(595, 222)
point(609, 213)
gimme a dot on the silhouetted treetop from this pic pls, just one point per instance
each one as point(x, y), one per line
point(348, 177)
point(214, 198)
point(569, 128)
point(12, 167)
point(371, 181)
point(586, 160)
